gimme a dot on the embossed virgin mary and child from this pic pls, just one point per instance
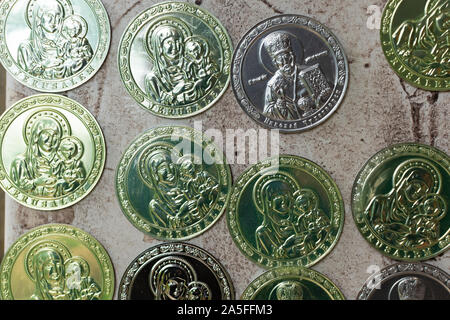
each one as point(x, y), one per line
point(293, 224)
point(51, 165)
point(409, 215)
point(295, 90)
point(59, 276)
point(424, 43)
point(174, 278)
point(183, 70)
point(57, 46)
point(183, 192)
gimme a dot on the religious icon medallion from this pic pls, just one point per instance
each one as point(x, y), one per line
point(56, 262)
point(52, 152)
point(176, 271)
point(400, 201)
point(292, 283)
point(174, 59)
point(173, 183)
point(53, 45)
point(407, 281)
point(285, 211)
point(289, 73)
point(415, 41)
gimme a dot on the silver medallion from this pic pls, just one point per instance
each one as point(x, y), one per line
point(175, 271)
point(53, 45)
point(407, 281)
point(289, 73)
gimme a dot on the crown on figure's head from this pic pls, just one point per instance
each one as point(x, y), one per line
point(276, 43)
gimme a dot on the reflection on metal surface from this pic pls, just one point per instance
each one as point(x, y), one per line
point(407, 281)
point(69, 276)
point(287, 214)
point(57, 46)
point(409, 215)
point(174, 59)
point(168, 191)
point(423, 42)
point(400, 201)
point(175, 271)
point(56, 262)
point(176, 79)
point(53, 45)
point(292, 283)
point(414, 38)
point(53, 152)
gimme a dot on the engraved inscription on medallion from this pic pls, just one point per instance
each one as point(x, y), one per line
point(51, 165)
point(295, 90)
point(183, 70)
point(293, 224)
point(173, 278)
point(57, 275)
point(57, 47)
point(183, 191)
point(409, 215)
point(423, 43)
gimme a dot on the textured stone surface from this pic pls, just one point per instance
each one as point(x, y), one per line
point(379, 110)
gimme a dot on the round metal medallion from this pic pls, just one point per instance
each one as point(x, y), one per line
point(52, 152)
point(289, 73)
point(400, 201)
point(174, 59)
point(175, 271)
point(285, 211)
point(173, 183)
point(56, 262)
point(53, 45)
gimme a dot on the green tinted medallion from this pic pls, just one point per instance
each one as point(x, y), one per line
point(415, 40)
point(285, 210)
point(400, 201)
point(173, 183)
point(292, 283)
point(53, 45)
point(52, 152)
point(175, 271)
point(56, 262)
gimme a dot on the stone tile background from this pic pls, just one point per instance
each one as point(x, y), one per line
point(379, 110)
